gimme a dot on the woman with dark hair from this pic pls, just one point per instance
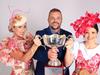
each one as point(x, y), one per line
point(87, 53)
point(17, 51)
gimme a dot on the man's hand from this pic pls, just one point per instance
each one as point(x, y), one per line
point(52, 53)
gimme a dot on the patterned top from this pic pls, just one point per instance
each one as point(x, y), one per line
point(7, 46)
point(88, 59)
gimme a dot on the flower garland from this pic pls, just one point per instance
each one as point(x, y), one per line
point(89, 20)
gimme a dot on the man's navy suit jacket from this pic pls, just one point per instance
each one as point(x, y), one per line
point(41, 54)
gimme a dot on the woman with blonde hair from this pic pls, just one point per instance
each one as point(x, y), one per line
point(17, 51)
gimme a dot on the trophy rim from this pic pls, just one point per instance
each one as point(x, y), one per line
point(46, 37)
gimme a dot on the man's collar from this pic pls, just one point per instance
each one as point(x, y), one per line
point(52, 31)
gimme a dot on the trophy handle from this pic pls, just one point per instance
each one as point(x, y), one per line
point(38, 37)
point(40, 40)
point(67, 38)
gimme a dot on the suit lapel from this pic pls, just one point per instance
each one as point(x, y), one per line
point(48, 31)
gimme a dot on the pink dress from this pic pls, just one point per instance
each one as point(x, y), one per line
point(88, 59)
point(6, 47)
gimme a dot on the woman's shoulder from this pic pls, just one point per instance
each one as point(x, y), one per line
point(97, 49)
point(6, 43)
point(78, 44)
point(6, 39)
point(98, 46)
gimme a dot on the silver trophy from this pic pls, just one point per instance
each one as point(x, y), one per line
point(54, 40)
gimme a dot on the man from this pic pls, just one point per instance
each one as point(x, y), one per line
point(43, 55)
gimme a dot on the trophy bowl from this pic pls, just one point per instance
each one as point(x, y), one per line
point(54, 40)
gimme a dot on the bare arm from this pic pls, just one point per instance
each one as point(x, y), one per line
point(68, 55)
point(28, 55)
point(68, 58)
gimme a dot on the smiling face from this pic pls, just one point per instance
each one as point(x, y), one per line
point(55, 20)
point(90, 35)
point(20, 31)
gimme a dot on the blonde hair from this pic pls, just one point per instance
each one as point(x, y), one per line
point(16, 20)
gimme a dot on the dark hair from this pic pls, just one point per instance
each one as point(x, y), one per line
point(96, 27)
point(54, 10)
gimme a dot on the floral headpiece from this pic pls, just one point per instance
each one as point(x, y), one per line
point(89, 20)
point(18, 20)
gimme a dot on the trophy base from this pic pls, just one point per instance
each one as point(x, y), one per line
point(54, 70)
point(54, 63)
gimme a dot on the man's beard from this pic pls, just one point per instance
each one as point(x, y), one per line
point(55, 28)
point(58, 27)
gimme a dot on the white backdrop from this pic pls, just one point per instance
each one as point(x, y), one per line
point(37, 13)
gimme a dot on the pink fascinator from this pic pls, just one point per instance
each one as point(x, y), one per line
point(81, 24)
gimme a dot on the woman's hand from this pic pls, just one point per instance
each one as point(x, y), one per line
point(37, 41)
point(69, 43)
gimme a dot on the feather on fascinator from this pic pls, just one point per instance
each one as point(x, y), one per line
point(89, 20)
